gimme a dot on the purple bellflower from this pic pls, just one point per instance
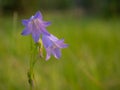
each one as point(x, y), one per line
point(53, 45)
point(35, 26)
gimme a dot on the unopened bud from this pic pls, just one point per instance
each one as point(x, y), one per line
point(40, 47)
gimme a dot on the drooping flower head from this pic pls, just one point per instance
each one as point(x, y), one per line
point(35, 26)
point(53, 45)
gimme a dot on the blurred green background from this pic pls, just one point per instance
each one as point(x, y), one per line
point(90, 27)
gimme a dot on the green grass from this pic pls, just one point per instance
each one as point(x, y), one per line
point(91, 62)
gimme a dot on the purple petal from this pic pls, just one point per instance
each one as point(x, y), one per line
point(61, 44)
point(35, 36)
point(25, 22)
point(64, 45)
point(31, 18)
point(38, 15)
point(46, 23)
point(26, 31)
point(48, 53)
point(46, 42)
point(53, 38)
point(44, 31)
point(56, 52)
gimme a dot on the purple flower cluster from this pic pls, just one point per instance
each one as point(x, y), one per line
point(37, 27)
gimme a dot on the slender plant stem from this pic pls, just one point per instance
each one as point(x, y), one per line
point(33, 49)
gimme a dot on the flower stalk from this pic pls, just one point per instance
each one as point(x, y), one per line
point(33, 59)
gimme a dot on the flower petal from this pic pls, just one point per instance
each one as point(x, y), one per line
point(25, 22)
point(35, 36)
point(48, 53)
point(44, 31)
point(46, 42)
point(56, 52)
point(38, 15)
point(31, 18)
point(26, 31)
point(46, 23)
point(61, 44)
point(53, 38)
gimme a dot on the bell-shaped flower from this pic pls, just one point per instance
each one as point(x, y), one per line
point(53, 45)
point(35, 26)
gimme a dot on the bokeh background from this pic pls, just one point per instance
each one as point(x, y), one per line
point(90, 27)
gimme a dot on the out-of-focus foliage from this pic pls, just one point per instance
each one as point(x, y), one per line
point(99, 7)
point(6, 6)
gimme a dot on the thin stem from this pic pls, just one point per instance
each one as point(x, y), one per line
point(33, 54)
point(33, 49)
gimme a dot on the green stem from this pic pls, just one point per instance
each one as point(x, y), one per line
point(33, 60)
point(33, 54)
